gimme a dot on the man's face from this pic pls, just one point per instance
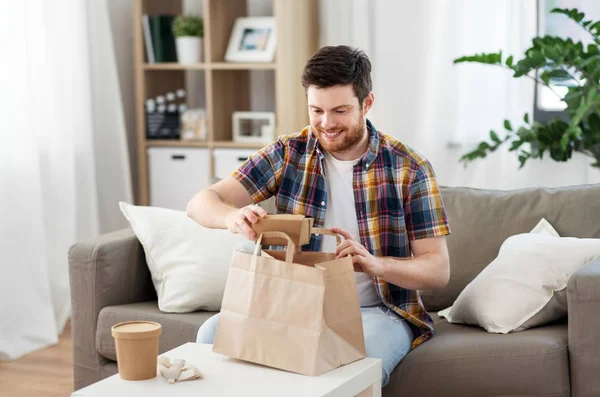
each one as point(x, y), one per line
point(336, 117)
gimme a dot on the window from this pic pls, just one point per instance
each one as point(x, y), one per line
point(547, 104)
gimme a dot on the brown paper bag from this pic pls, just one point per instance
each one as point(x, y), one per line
point(294, 311)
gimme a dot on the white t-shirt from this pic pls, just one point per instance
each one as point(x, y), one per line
point(341, 213)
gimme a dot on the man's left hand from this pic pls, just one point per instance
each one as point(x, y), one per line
point(361, 258)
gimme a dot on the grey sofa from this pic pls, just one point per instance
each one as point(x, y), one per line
point(111, 283)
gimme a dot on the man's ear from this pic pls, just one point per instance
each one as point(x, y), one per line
point(368, 102)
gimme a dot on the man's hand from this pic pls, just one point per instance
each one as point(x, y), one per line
point(240, 221)
point(361, 258)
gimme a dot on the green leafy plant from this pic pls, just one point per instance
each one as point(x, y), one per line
point(557, 60)
point(188, 25)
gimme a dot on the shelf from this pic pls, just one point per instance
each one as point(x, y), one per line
point(215, 144)
point(238, 145)
point(175, 143)
point(174, 66)
point(242, 66)
point(222, 87)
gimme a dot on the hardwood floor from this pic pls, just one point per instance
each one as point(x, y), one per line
point(47, 372)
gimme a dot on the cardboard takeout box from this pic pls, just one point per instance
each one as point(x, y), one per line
point(297, 227)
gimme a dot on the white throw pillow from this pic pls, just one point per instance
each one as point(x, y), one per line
point(525, 286)
point(188, 263)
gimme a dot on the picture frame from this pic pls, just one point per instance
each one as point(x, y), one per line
point(253, 39)
point(253, 127)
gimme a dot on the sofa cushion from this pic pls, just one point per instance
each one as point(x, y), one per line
point(482, 219)
point(468, 361)
point(177, 329)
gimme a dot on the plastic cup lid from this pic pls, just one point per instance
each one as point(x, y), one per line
point(136, 330)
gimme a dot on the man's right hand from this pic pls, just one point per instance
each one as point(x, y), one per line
point(240, 221)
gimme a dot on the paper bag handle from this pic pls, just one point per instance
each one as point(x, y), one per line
point(329, 232)
point(289, 251)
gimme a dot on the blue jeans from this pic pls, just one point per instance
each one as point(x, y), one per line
point(387, 336)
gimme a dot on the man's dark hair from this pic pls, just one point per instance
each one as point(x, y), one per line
point(339, 65)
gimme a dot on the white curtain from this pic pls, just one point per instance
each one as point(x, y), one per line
point(440, 109)
point(63, 158)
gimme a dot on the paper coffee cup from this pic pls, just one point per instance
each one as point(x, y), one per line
point(137, 348)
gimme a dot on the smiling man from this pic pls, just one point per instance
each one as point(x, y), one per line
point(379, 194)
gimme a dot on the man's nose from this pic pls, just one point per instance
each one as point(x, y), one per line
point(327, 121)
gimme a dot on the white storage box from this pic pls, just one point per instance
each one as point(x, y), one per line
point(176, 175)
point(228, 160)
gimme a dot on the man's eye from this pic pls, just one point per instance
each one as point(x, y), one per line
point(340, 111)
point(317, 111)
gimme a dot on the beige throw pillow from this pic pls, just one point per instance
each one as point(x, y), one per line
point(525, 286)
point(188, 263)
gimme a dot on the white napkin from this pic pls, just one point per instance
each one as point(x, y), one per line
point(177, 371)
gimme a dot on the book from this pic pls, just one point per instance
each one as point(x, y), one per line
point(148, 39)
point(163, 41)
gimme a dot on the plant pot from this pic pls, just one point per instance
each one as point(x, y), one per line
point(189, 49)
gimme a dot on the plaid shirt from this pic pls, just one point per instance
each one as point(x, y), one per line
point(395, 192)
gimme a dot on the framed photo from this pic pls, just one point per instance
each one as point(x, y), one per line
point(252, 39)
point(253, 127)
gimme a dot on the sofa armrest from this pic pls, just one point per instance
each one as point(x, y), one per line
point(583, 294)
point(105, 271)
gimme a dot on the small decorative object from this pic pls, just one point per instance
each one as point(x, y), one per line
point(163, 115)
point(193, 125)
point(252, 39)
point(553, 61)
point(253, 127)
point(162, 123)
point(188, 31)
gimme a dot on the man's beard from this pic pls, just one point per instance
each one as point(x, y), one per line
point(349, 138)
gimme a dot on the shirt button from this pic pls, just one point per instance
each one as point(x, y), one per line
point(323, 203)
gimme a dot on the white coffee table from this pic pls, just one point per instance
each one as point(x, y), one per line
point(224, 376)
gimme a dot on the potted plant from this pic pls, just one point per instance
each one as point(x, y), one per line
point(188, 31)
point(557, 60)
